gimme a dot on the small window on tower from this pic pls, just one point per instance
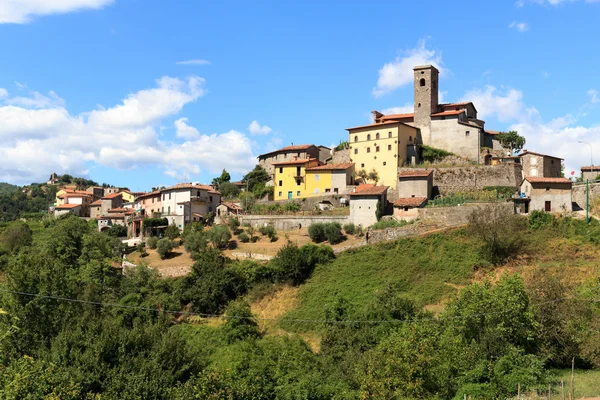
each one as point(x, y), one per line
point(422, 82)
point(377, 149)
point(467, 133)
point(369, 136)
point(362, 165)
point(389, 147)
point(356, 138)
point(384, 163)
point(368, 149)
point(355, 151)
point(377, 136)
point(389, 134)
point(410, 138)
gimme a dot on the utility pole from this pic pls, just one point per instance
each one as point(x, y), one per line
point(587, 201)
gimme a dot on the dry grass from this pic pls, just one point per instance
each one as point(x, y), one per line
point(178, 264)
point(273, 306)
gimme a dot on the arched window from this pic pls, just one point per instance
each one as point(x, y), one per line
point(377, 135)
point(422, 82)
point(369, 136)
point(356, 138)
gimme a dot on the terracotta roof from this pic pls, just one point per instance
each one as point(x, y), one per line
point(591, 168)
point(231, 206)
point(96, 203)
point(372, 125)
point(525, 152)
point(77, 195)
point(328, 167)
point(298, 161)
point(398, 116)
point(369, 189)
point(297, 147)
point(120, 210)
point(415, 173)
point(537, 179)
point(493, 132)
point(410, 202)
point(190, 185)
point(463, 103)
point(450, 112)
point(111, 196)
point(67, 206)
point(112, 216)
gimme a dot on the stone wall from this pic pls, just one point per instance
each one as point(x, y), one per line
point(454, 216)
point(475, 177)
point(286, 223)
point(340, 156)
point(310, 203)
point(579, 195)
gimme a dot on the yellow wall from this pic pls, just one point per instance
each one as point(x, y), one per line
point(392, 142)
point(318, 182)
point(285, 180)
point(127, 197)
point(57, 201)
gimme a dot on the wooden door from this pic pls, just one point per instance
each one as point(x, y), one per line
point(548, 206)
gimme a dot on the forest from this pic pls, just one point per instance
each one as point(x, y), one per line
point(74, 326)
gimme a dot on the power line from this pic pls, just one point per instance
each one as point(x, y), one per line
point(314, 321)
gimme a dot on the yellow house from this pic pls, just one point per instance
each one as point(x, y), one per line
point(329, 179)
point(290, 178)
point(127, 196)
point(383, 147)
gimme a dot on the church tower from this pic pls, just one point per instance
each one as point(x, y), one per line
point(426, 98)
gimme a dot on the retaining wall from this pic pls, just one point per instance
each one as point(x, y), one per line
point(286, 223)
point(579, 195)
point(459, 215)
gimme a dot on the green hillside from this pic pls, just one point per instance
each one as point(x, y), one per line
point(7, 188)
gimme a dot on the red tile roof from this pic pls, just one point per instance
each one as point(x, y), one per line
point(398, 116)
point(67, 206)
point(591, 168)
point(111, 196)
point(76, 195)
point(121, 210)
point(449, 112)
point(464, 103)
point(96, 203)
point(537, 179)
point(298, 161)
point(415, 173)
point(297, 147)
point(493, 132)
point(369, 189)
point(525, 152)
point(329, 167)
point(410, 202)
point(231, 206)
point(112, 216)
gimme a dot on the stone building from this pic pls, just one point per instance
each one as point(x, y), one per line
point(546, 194)
point(366, 203)
point(540, 165)
point(590, 173)
point(63, 209)
point(187, 202)
point(406, 208)
point(415, 183)
point(452, 127)
point(288, 153)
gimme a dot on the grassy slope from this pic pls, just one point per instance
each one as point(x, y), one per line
point(587, 382)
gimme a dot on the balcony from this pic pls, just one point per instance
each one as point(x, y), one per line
point(200, 199)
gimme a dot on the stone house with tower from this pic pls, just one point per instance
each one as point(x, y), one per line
point(453, 127)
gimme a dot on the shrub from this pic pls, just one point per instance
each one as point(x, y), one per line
point(333, 232)
point(269, 231)
point(539, 219)
point(152, 242)
point(388, 223)
point(244, 238)
point(239, 322)
point(233, 224)
point(500, 233)
point(117, 231)
point(350, 229)
point(164, 247)
point(431, 154)
point(296, 264)
point(317, 232)
point(172, 232)
point(141, 248)
point(219, 236)
point(196, 226)
point(292, 206)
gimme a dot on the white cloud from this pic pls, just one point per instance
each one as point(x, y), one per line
point(37, 100)
point(594, 98)
point(183, 130)
point(256, 129)
point(399, 72)
point(506, 105)
point(39, 138)
point(193, 62)
point(405, 109)
point(3, 93)
point(22, 11)
point(520, 26)
point(520, 3)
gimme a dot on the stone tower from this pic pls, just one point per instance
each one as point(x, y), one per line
point(426, 98)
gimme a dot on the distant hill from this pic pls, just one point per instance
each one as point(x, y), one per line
point(7, 188)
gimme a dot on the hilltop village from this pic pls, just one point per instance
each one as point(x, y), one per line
point(399, 167)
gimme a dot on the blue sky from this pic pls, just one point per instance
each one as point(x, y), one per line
point(145, 93)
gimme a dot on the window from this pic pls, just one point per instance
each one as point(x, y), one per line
point(317, 177)
point(335, 190)
point(356, 138)
point(369, 136)
point(551, 161)
point(389, 134)
point(368, 149)
point(281, 170)
point(355, 151)
point(547, 189)
point(419, 105)
point(362, 165)
point(405, 208)
point(298, 171)
point(169, 210)
point(152, 201)
point(422, 82)
point(410, 138)
point(377, 136)
point(298, 181)
point(467, 133)
point(164, 196)
point(384, 163)
point(389, 147)
point(298, 193)
point(210, 198)
point(280, 183)
point(327, 190)
point(377, 149)
point(280, 194)
point(169, 196)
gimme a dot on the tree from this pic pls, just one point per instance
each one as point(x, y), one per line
point(164, 247)
point(15, 236)
point(511, 140)
point(256, 177)
point(374, 176)
point(363, 175)
point(239, 322)
point(117, 231)
point(172, 232)
point(225, 177)
point(229, 190)
point(219, 236)
point(247, 200)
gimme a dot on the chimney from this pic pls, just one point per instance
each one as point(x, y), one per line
point(376, 115)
